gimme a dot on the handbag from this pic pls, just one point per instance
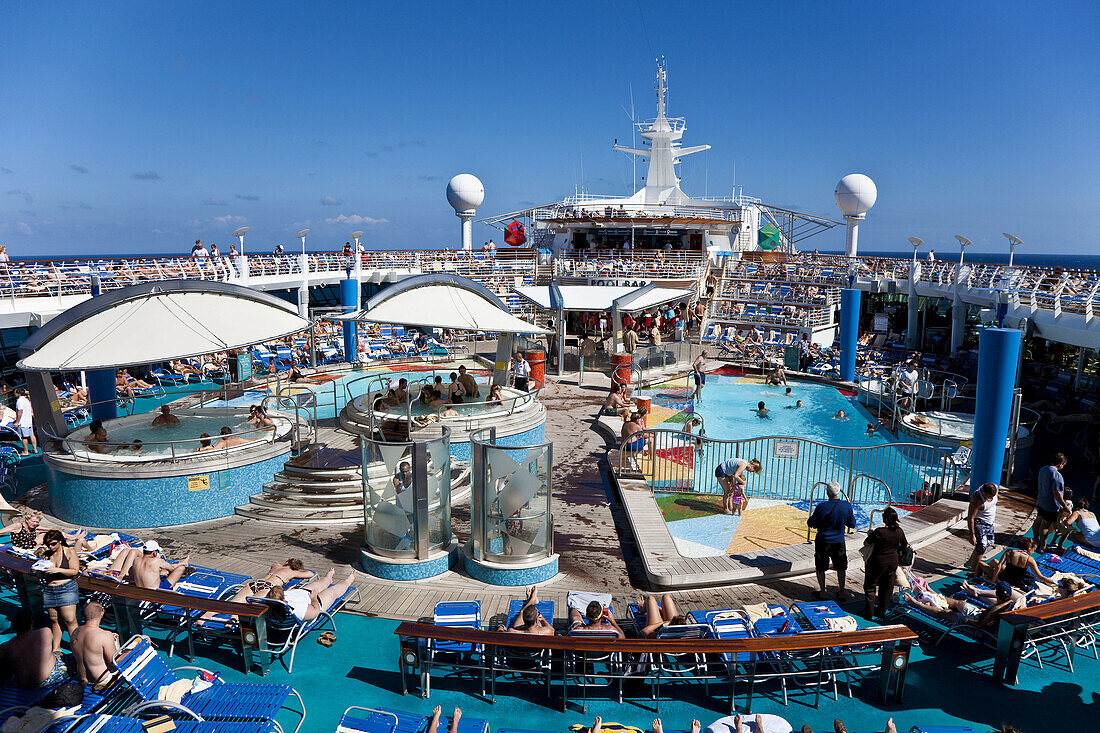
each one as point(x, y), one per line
point(906, 556)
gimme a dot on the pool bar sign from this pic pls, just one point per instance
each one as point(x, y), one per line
point(785, 449)
point(198, 483)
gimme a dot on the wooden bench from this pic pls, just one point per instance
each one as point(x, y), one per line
point(126, 603)
point(833, 652)
point(1062, 620)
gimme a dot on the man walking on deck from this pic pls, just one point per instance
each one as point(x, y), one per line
point(830, 518)
point(980, 518)
point(1051, 499)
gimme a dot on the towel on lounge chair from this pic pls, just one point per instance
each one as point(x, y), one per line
point(102, 540)
point(175, 691)
point(757, 611)
point(843, 623)
point(1087, 553)
point(35, 719)
point(580, 600)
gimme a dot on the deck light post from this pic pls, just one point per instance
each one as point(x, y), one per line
point(963, 244)
point(917, 243)
point(239, 234)
point(1012, 242)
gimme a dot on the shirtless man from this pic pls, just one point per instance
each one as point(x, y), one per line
point(28, 659)
point(97, 438)
point(595, 617)
point(469, 384)
point(165, 417)
point(699, 374)
point(228, 439)
point(150, 570)
point(635, 424)
point(94, 648)
point(529, 620)
point(617, 404)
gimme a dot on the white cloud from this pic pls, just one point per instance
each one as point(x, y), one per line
point(331, 201)
point(356, 220)
point(229, 220)
point(23, 228)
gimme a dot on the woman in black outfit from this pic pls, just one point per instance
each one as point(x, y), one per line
point(882, 563)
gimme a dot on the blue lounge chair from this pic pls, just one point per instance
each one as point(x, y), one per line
point(370, 720)
point(145, 673)
point(522, 662)
point(97, 723)
point(454, 655)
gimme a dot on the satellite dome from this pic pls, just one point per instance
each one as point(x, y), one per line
point(465, 193)
point(855, 195)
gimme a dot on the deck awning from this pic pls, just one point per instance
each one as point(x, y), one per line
point(601, 297)
point(442, 301)
point(157, 321)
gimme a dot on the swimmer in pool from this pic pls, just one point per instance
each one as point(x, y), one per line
point(165, 417)
point(761, 410)
point(797, 404)
point(840, 415)
point(787, 393)
point(204, 443)
point(871, 428)
point(133, 448)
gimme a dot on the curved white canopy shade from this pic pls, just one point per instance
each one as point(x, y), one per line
point(154, 322)
point(442, 301)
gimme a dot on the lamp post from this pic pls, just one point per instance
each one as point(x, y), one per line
point(963, 244)
point(302, 236)
point(239, 234)
point(917, 242)
point(303, 266)
point(1012, 242)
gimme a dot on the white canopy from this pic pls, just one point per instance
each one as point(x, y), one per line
point(442, 301)
point(600, 297)
point(154, 322)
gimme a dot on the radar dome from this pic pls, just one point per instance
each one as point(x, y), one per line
point(465, 193)
point(855, 194)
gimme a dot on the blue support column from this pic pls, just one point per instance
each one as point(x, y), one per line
point(849, 333)
point(349, 299)
point(102, 392)
point(998, 357)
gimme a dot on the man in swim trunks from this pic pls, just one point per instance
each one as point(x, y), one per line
point(529, 620)
point(1051, 499)
point(28, 659)
point(699, 374)
point(617, 403)
point(94, 648)
point(595, 617)
point(165, 417)
point(150, 570)
point(97, 437)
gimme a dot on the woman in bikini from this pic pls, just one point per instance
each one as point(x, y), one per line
point(1014, 565)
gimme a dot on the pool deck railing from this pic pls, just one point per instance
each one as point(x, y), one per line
point(807, 658)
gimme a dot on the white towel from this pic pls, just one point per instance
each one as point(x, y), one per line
point(769, 723)
point(841, 623)
point(175, 691)
point(580, 600)
point(35, 719)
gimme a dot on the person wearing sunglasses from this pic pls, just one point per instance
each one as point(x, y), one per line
point(60, 595)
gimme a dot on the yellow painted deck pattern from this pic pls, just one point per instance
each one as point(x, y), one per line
point(767, 527)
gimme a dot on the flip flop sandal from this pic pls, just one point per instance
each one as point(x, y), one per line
point(328, 635)
point(324, 641)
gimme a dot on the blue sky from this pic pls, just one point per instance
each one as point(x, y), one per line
point(137, 127)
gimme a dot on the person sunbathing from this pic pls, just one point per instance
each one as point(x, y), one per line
point(149, 570)
point(183, 368)
point(529, 620)
point(1016, 567)
point(28, 659)
point(308, 601)
point(962, 610)
point(635, 424)
point(657, 726)
point(433, 724)
point(134, 382)
point(94, 648)
point(660, 615)
point(595, 617)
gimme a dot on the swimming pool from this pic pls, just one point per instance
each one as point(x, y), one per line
point(798, 447)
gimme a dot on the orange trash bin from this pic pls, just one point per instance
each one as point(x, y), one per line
point(621, 365)
point(537, 359)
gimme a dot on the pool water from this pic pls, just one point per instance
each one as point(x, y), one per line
point(728, 408)
point(841, 449)
point(189, 427)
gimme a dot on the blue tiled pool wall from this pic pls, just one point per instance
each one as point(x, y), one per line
point(379, 568)
point(460, 451)
point(123, 503)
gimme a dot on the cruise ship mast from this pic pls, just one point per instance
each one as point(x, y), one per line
point(664, 151)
